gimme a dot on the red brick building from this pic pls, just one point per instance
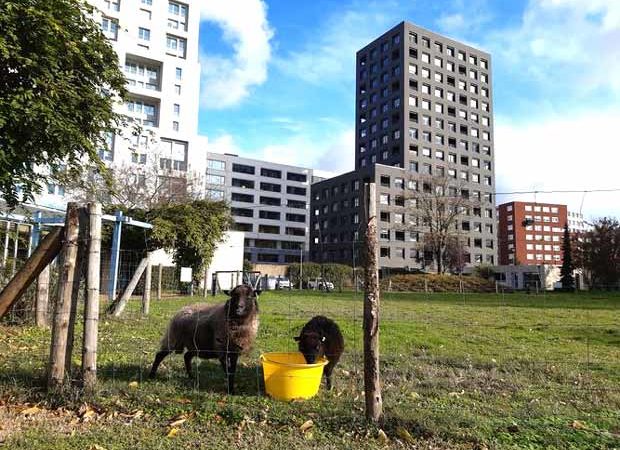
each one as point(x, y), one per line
point(530, 233)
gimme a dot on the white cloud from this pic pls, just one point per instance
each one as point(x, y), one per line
point(330, 55)
point(333, 152)
point(573, 152)
point(567, 42)
point(226, 80)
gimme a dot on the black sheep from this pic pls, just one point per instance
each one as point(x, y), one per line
point(321, 337)
point(222, 331)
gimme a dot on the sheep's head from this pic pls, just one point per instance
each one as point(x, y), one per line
point(311, 345)
point(243, 301)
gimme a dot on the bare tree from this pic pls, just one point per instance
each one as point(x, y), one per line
point(153, 178)
point(435, 205)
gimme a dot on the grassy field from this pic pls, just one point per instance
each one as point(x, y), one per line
point(459, 372)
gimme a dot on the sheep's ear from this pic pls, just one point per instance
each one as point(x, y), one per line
point(297, 338)
point(226, 292)
point(323, 339)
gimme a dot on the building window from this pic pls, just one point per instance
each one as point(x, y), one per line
point(179, 73)
point(142, 112)
point(175, 125)
point(177, 89)
point(144, 34)
point(216, 164)
point(179, 13)
point(110, 28)
point(176, 46)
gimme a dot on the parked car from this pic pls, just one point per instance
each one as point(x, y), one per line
point(320, 284)
point(283, 283)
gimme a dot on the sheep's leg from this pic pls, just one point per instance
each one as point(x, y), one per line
point(229, 364)
point(189, 355)
point(328, 375)
point(159, 357)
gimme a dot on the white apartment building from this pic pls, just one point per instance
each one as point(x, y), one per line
point(157, 46)
point(577, 223)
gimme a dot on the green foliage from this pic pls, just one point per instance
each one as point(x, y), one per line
point(191, 231)
point(484, 271)
point(247, 265)
point(437, 283)
point(566, 272)
point(58, 78)
point(339, 274)
point(600, 253)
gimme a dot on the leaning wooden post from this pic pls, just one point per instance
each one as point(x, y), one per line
point(160, 270)
point(42, 299)
point(117, 307)
point(146, 293)
point(60, 325)
point(43, 255)
point(91, 307)
point(372, 386)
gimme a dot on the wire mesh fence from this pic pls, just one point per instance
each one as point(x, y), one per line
point(457, 353)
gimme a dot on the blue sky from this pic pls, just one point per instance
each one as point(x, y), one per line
point(278, 83)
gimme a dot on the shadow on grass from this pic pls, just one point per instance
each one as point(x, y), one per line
point(207, 376)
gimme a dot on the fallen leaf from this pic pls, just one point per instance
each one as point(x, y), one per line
point(455, 394)
point(173, 432)
point(133, 384)
point(96, 447)
point(31, 411)
point(404, 435)
point(414, 395)
point(184, 400)
point(308, 436)
point(578, 425)
point(306, 426)
point(178, 422)
point(382, 438)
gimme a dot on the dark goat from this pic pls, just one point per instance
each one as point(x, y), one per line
point(222, 331)
point(321, 337)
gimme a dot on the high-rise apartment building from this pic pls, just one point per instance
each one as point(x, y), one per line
point(531, 233)
point(157, 46)
point(269, 202)
point(423, 111)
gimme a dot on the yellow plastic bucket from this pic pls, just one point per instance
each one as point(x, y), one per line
point(287, 376)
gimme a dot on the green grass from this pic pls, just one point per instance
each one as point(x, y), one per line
point(458, 371)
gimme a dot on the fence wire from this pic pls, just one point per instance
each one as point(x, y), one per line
point(535, 349)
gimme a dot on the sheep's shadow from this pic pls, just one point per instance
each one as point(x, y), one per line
point(207, 376)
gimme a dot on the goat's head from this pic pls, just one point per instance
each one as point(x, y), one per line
point(243, 300)
point(311, 345)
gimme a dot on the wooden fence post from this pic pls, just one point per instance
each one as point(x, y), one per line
point(60, 325)
point(160, 271)
point(372, 385)
point(91, 307)
point(82, 252)
point(42, 299)
point(146, 293)
point(44, 254)
point(117, 307)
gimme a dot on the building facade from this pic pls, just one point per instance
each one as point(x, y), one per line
point(531, 233)
point(157, 46)
point(269, 203)
point(423, 113)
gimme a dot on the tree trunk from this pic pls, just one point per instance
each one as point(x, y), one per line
point(44, 254)
point(91, 308)
point(62, 311)
point(372, 386)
